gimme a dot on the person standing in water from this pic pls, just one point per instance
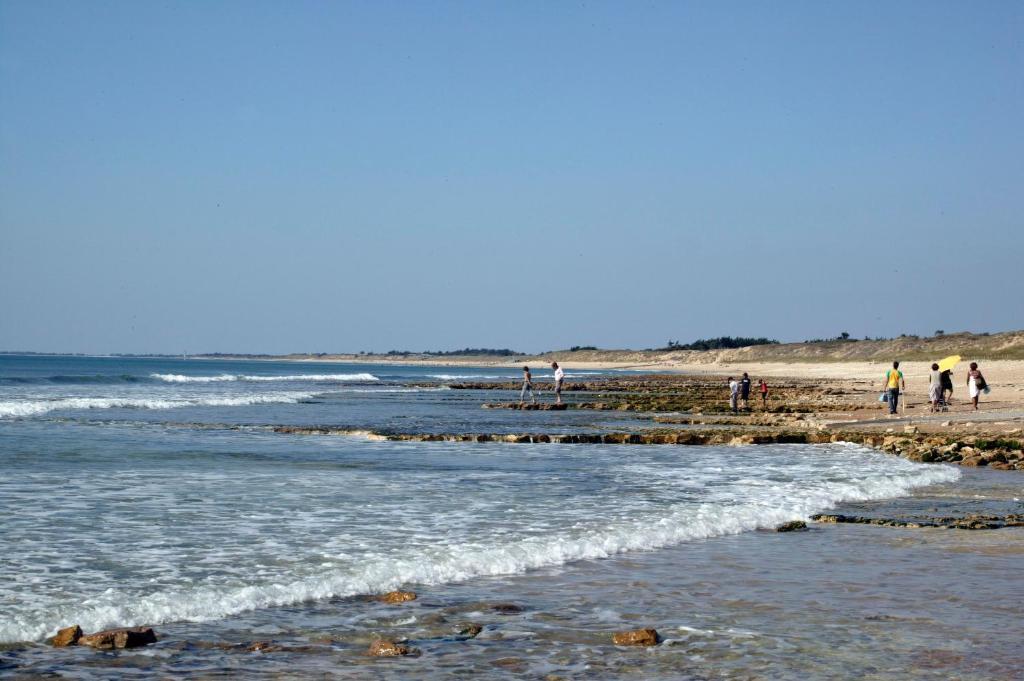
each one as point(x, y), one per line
point(527, 385)
point(893, 381)
point(763, 387)
point(975, 383)
point(559, 379)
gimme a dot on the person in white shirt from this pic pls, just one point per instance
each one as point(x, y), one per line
point(734, 393)
point(559, 379)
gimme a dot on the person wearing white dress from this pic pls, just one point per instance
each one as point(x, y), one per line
point(975, 383)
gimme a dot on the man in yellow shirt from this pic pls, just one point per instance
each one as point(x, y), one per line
point(893, 383)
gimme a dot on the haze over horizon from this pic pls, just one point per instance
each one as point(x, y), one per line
point(275, 178)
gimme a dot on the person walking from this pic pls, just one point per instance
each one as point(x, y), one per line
point(763, 387)
point(893, 381)
point(935, 388)
point(734, 393)
point(559, 379)
point(946, 378)
point(975, 384)
point(527, 385)
point(745, 391)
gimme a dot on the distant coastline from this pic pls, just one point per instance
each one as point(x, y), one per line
point(1007, 345)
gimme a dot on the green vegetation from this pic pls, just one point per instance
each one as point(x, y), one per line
point(998, 443)
point(465, 352)
point(720, 343)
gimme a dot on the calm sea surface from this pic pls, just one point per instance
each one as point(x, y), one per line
point(153, 491)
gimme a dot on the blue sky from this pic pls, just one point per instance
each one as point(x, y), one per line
point(279, 176)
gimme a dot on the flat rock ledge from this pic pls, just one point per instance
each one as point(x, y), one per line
point(969, 522)
point(110, 639)
point(636, 637)
point(545, 406)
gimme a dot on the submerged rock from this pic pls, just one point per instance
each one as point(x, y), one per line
point(68, 636)
point(469, 630)
point(636, 637)
point(262, 647)
point(133, 637)
point(382, 647)
point(507, 608)
point(397, 597)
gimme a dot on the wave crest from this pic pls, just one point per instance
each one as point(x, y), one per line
point(313, 378)
point(23, 408)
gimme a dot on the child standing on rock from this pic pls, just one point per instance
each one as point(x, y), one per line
point(763, 387)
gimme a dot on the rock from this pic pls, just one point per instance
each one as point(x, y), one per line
point(511, 663)
point(133, 637)
point(469, 630)
point(68, 636)
point(792, 526)
point(947, 424)
point(636, 637)
point(913, 430)
point(973, 460)
point(507, 608)
point(385, 648)
point(262, 647)
point(397, 597)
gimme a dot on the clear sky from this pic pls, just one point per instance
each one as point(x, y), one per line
point(334, 176)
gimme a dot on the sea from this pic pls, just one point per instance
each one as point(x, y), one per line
point(155, 491)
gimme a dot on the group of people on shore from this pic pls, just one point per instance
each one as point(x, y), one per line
point(528, 385)
point(940, 387)
point(739, 393)
point(940, 382)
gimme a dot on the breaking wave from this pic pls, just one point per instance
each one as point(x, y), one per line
point(440, 562)
point(314, 378)
point(22, 408)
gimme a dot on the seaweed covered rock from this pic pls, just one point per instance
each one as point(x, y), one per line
point(792, 526)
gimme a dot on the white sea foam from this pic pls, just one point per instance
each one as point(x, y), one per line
point(35, 407)
point(328, 378)
point(432, 543)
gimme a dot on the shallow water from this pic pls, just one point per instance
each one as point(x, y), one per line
point(219, 537)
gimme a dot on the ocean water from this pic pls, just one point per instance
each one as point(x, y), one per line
point(152, 491)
